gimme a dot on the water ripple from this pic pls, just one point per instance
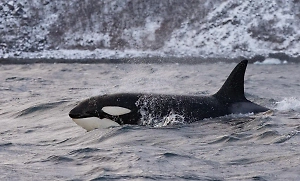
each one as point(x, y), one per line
point(40, 108)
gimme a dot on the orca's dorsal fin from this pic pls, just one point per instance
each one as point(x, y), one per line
point(233, 88)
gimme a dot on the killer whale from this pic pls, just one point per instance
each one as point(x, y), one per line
point(129, 108)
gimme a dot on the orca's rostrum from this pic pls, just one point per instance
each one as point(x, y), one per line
point(129, 108)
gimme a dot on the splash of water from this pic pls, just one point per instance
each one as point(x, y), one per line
point(290, 103)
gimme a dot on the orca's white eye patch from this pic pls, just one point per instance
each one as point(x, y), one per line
point(115, 110)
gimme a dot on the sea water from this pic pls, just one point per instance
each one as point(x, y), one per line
point(40, 142)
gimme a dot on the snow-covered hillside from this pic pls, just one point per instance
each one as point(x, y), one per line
point(119, 28)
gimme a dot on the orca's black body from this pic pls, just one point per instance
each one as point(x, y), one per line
point(130, 108)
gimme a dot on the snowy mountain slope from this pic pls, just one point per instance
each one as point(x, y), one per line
point(207, 28)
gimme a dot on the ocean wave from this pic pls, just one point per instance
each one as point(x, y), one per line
point(39, 108)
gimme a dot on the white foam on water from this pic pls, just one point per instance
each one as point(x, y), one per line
point(271, 61)
point(290, 103)
point(157, 121)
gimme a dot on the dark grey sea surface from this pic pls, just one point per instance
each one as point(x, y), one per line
point(40, 142)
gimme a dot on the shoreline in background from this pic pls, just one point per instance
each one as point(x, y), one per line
point(281, 57)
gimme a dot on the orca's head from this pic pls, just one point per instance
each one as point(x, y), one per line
point(92, 113)
point(84, 109)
